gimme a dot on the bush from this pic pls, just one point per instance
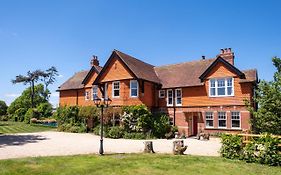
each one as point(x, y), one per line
point(161, 125)
point(4, 118)
point(262, 149)
point(231, 146)
point(3, 108)
point(96, 130)
point(45, 109)
point(31, 113)
point(19, 114)
point(115, 132)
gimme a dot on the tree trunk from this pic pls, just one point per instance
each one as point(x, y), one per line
point(148, 147)
point(178, 147)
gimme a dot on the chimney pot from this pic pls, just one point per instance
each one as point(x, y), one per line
point(203, 57)
point(222, 51)
point(95, 61)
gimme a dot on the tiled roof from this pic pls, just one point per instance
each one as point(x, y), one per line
point(75, 82)
point(141, 69)
point(251, 76)
point(182, 74)
point(170, 76)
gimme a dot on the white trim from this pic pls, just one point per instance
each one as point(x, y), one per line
point(176, 96)
point(225, 86)
point(168, 97)
point(113, 96)
point(131, 88)
point(236, 119)
point(159, 94)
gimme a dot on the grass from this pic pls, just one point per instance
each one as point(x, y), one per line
point(20, 127)
point(132, 164)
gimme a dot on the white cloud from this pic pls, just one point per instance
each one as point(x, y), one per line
point(12, 95)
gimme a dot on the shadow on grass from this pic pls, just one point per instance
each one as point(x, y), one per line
point(14, 140)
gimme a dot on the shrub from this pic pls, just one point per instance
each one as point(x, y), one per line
point(115, 132)
point(161, 125)
point(3, 108)
point(45, 109)
point(31, 113)
point(137, 118)
point(19, 114)
point(96, 130)
point(4, 118)
point(263, 150)
point(231, 146)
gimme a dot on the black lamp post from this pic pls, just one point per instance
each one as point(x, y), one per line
point(101, 103)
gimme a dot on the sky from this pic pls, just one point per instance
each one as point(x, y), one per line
point(66, 33)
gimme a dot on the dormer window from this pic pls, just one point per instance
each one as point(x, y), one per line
point(222, 87)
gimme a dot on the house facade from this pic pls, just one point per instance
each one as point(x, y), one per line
point(202, 95)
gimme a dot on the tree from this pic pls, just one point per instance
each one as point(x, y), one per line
point(3, 108)
point(267, 118)
point(23, 102)
point(48, 77)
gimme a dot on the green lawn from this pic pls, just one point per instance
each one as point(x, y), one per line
point(20, 127)
point(146, 164)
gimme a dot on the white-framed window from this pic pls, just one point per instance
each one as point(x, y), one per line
point(94, 92)
point(87, 96)
point(134, 88)
point(178, 97)
point(170, 97)
point(116, 89)
point(209, 119)
point(235, 119)
point(222, 119)
point(161, 93)
point(221, 87)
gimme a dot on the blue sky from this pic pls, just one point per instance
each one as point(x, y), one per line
point(65, 34)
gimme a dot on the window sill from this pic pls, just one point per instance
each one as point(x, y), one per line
point(228, 129)
point(221, 96)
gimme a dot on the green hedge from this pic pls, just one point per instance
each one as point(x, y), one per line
point(264, 149)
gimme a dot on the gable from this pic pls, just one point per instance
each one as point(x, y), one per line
point(115, 70)
point(90, 80)
point(221, 68)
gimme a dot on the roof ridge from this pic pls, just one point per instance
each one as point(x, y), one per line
point(133, 57)
point(193, 61)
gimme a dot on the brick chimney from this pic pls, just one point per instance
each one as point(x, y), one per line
point(228, 55)
point(95, 61)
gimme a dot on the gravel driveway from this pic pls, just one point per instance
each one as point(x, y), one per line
point(60, 143)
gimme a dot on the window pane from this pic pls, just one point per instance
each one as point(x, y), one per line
point(170, 97)
point(221, 91)
point(133, 84)
point(229, 91)
point(209, 123)
point(116, 93)
point(221, 83)
point(229, 82)
point(134, 92)
point(212, 83)
point(213, 91)
point(222, 123)
point(235, 123)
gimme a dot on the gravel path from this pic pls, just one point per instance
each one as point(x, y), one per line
point(60, 143)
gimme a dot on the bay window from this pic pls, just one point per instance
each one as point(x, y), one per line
point(221, 87)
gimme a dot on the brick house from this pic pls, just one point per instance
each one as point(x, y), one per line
point(204, 95)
